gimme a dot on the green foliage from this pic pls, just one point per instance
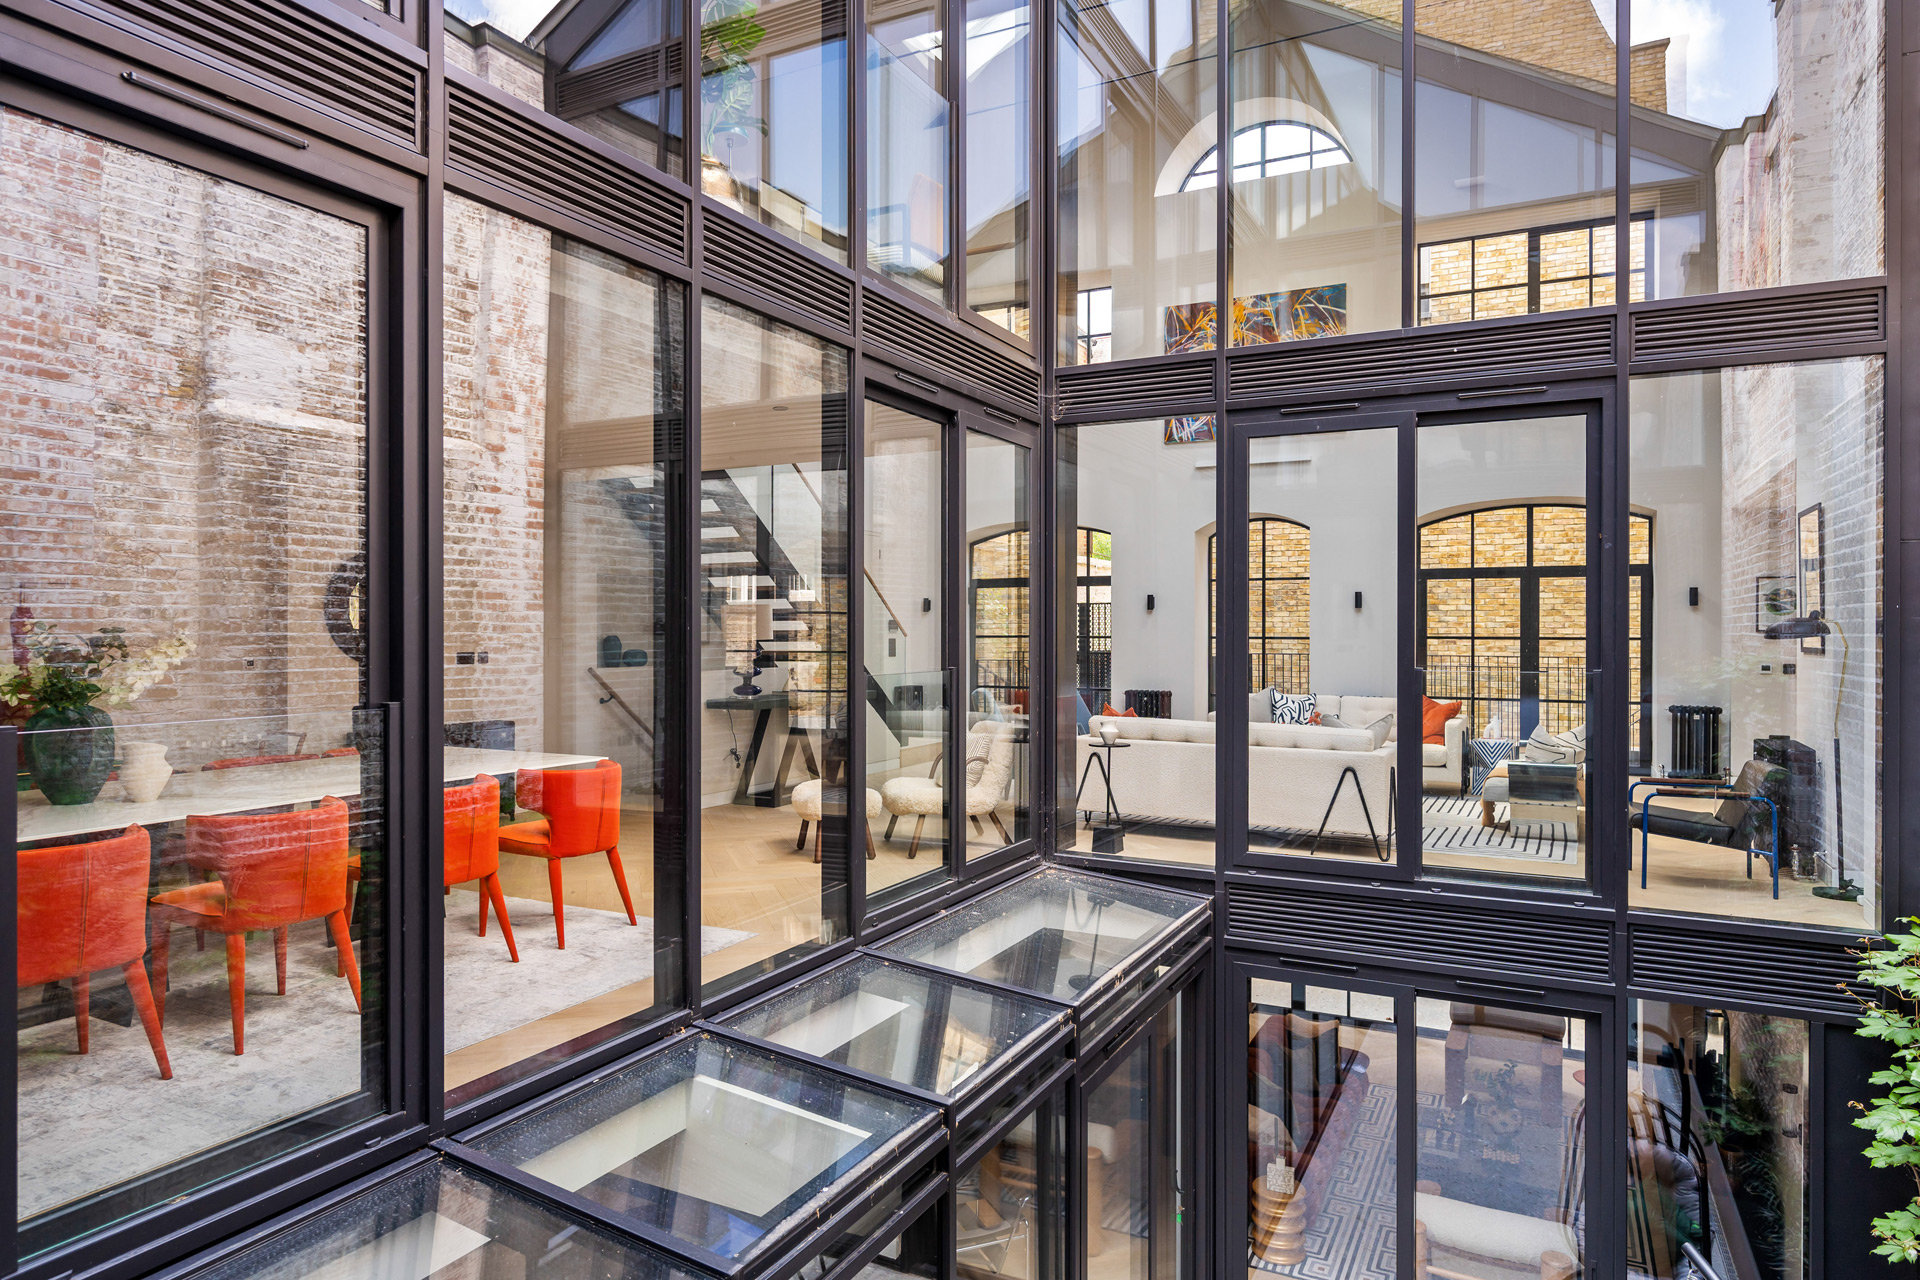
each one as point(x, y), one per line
point(1892, 966)
point(728, 37)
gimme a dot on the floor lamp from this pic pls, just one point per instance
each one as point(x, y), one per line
point(1800, 628)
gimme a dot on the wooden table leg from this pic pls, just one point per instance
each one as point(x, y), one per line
point(1096, 1205)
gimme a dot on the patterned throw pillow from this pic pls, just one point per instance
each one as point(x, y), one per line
point(1569, 747)
point(1293, 708)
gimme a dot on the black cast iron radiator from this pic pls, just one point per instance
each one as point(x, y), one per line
point(1153, 703)
point(1696, 743)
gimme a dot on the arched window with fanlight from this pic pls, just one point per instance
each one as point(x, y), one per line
point(1093, 616)
point(1271, 149)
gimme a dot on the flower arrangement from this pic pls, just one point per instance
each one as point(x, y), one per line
point(49, 672)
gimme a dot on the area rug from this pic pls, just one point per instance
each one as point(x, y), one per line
point(487, 995)
point(86, 1123)
point(1352, 1236)
point(1451, 824)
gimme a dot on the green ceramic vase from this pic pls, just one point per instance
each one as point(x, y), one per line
point(69, 752)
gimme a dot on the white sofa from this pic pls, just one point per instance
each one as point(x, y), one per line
point(1165, 774)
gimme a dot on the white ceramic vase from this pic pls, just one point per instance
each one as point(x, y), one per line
point(145, 771)
point(1108, 732)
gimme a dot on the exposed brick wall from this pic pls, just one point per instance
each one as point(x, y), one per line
point(500, 67)
point(182, 361)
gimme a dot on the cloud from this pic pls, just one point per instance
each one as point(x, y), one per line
point(513, 17)
point(1721, 63)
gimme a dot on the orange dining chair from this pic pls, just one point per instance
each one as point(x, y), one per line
point(582, 808)
point(82, 908)
point(472, 843)
point(274, 870)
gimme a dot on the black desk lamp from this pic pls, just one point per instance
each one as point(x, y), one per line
point(1799, 628)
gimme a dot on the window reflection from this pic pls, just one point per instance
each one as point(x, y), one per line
point(1138, 498)
point(1717, 1151)
point(1500, 1186)
point(999, 173)
point(907, 144)
point(1758, 794)
point(1137, 111)
point(1011, 1202)
point(1515, 159)
point(1314, 163)
point(1136, 1197)
point(774, 682)
point(1741, 149)
point(998, 630)
point(186, 414)
point(773, 116)
point(562, 383)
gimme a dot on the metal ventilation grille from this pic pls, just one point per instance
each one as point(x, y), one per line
point(289, 45)
point(623, 79)
point(773, 270)
point(1410, 934)
point(1842, 317)
point(1099, 389)
point(907, 334)
point(1421, 356)
point(496, 143)
point(1770, 971)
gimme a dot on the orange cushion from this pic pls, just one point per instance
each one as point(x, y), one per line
point(1433, 720)
point(206, 899)
point(526, 837)
point(1108, 710)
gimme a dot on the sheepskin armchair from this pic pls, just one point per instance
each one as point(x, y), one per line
point(990, 756)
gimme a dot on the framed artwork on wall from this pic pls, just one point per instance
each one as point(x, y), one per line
point(1812, 539)
point(1774, 600)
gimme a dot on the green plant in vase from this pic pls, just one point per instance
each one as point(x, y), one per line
point(59, 692)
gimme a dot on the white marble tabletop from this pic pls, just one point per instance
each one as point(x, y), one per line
point(260, 786)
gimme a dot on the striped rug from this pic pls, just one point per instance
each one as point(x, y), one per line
point(1451, 824)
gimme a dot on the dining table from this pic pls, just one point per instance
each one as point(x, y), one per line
point(254, 787)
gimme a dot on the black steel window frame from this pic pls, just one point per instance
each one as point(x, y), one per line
point(1534, 279)
point(1093, 622)
point(1268, 652)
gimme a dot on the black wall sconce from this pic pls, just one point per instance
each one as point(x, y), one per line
point(1149, 604)
point(1693, 597)
point(926, 604)
point(1356, 599)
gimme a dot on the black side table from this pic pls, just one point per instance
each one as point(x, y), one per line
point(1106, 774)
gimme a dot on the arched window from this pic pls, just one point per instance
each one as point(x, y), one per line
point(1270, 150)
point(1279, 621)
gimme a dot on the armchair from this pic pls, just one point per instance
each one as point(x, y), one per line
point(1735, 807)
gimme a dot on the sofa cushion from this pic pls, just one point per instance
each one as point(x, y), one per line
point(1433, 719)
point(1543, 747)
point(1293, 708)
point(1260, 706)
point(1309, 737)
point(1433, 755)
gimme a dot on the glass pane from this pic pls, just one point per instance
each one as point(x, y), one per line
point(1316, 215)
point(611, 70)
point(1752, 127)
point(562, 385)
point(1767, 734)
point(999, 174)
point(914, 1250)
point(1506, 689)
point(922, 1029)
point(715, 1143)
point(1140, 497)
point(1502, 1174)
point(1322, 1132)
point(773, 643)
point(1011, 1203)
point(773, 116)
point(1136, 1178)
point(1514, 171)
point(1323, 640)
point(998, 630)
point(908, 677)
point(444, 1220)
point(907, 162)
point(1717, 1147)
point(185, 525)
point(1057, 934)
point(1137, 117)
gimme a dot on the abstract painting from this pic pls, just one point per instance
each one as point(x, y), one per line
point(1290, 315)
point(1193, 429)
point(1192, 326)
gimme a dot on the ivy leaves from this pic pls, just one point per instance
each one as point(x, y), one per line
point(1892, 965)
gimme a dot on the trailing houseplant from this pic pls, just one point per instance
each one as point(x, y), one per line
point(58, 687)
point(1892, 966)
